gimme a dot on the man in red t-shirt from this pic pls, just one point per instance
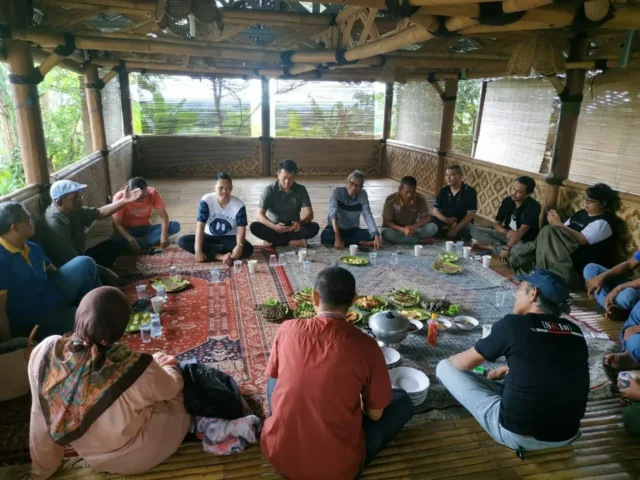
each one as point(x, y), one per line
point(333, 408)
point(132, 224)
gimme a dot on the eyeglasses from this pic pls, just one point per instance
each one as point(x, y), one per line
point(355, 185)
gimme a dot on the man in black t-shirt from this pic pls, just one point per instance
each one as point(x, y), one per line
point(546, 379)
point(517, 221)
point(455, 206)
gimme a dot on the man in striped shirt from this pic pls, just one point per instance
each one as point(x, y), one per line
point(345, 207)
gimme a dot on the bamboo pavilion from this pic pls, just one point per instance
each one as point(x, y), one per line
point(559, 101)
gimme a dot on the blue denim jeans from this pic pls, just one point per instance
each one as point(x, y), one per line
point(626, 299)
point(74, 279)
point(377, 433)
point(146, 236)
point(482, 398)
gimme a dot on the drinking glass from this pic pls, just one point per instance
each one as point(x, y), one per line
point(302, 255)
point(307, 266)
point(273, 261)
point(161, 291)
point(282, 260)
point(173, 272)
point(237, 266)
point(500, 297)
point(394, 258)
point(156, 325)
point(142, 291)
point(145, 332)
point(215, 275)
point(373, 258)
point(252, 264)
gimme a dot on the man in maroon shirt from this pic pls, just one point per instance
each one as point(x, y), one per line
point(333, 408)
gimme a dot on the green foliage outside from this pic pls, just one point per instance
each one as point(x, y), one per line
point(61, 105)
point(466, 113)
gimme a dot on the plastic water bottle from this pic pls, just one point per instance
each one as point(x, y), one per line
point(156, 326)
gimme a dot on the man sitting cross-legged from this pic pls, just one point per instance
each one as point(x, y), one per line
point(132, 224)
point(546, 379)
point(612, 289)
point(456, 206)
point(517, 221)
point(405, 216)
point(32, 291)
point(332, 405)
point(285, 214)
point(346, 205)
point(222, 226)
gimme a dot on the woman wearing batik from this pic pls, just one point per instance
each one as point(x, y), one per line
point(222, 226)
point(122, 411)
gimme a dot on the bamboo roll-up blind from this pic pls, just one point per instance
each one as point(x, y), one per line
point(417, 114)
point(167, 105)
point(327, 109)
point(112, 111)
point(515, 123)
point(607, 147)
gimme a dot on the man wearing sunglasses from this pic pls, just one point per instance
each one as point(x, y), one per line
point(61, 230)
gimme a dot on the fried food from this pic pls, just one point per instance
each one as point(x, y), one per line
point(413, 314)
point(368, 302)
point(353, 317)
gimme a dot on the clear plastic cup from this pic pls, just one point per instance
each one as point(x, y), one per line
point(307, 266)
point(373, 258)
point(273, 261)
point(449, 246)
point(459, 246)
point(500, 297)
point(417, 250)
point(237, 266)
point(215, 275)
point(156, 304)
point(173, 272)
point(302, 255)
point(161, 291)
point(466, 252)
point(156, 325)
point(353, 250)
point(252, 264)
point(141, 290)
point(486, 261)
point(394, 258)
point(145, 332)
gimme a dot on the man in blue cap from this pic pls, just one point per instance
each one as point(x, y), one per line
point(546, 380)
point(61, 230)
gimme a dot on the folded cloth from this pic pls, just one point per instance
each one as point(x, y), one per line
point(224, 437)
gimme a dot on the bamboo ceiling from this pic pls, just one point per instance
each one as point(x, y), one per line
point(388, 40)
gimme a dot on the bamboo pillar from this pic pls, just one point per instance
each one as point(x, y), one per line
point(125, 100)
point(388, 111)
point(33, 150)
point(446, 130)
point(265, 138)
point(96, 119)
point(476, 130)
point(567, 125)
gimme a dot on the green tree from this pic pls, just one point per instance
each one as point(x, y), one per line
point(11, 172)
point(466, 113)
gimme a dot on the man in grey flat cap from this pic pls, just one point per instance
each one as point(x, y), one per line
point(61, 230)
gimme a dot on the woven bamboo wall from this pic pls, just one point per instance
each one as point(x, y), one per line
point(30, 197)
point(607, 145)
point(515, 123)
point(196, 156)
point(89, 171)
point(120, 163)
point(318, 156)
point(405, 160)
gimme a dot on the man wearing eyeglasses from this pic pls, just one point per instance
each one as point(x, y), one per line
point(346, 206)
point(61, 230)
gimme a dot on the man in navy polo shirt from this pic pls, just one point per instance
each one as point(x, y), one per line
point(455, 206)
point(32, 291)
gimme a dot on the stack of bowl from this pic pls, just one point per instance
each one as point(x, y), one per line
point(391, 356)
point(412, 381)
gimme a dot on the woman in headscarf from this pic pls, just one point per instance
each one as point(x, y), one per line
point(122, 411)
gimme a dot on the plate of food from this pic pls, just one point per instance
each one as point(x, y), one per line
point(354, 316)
point(415, 326)
point(304, 310)
point(466, 323)
point(415, 313)
point(170, 285)
point(405, 297)
point(441, 307)
point(355, 260)
point(272, 310)
point(447, 268)
point(444, 324)
point(304, 296)
point(370, 303)
point(450, 257)
point(137, 319)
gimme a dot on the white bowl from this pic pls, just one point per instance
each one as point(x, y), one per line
point(391, 356)
point(418, 324)
point(444, 323)
point(468, 319)
point(411, 380)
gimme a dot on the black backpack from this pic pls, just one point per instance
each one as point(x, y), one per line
point(210, 393)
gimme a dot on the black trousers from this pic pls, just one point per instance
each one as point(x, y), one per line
point(105, 253)
point(276, 239)
point(213, 245)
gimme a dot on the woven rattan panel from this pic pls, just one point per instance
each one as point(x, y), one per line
point(401, 161)
point(515, 123)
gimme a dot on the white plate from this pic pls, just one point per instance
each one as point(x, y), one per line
point(409, 379)
point(418, 324)
point(446, 324)
point(468, 319)
point(391, 356)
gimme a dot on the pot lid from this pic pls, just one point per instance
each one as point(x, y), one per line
point(388, 322)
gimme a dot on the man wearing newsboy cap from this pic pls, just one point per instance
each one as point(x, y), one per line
point(61, 230)
point(546, 379)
